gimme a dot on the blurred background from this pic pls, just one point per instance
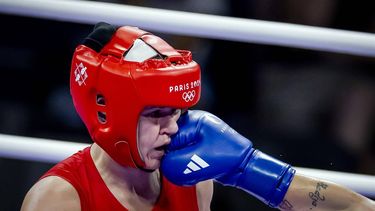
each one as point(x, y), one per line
point(308, 108)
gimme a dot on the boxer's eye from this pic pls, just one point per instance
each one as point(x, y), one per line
point(160, 112)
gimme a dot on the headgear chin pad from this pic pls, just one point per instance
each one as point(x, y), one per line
point(116, 73)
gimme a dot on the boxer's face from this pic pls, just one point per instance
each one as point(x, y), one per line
point(155, 127)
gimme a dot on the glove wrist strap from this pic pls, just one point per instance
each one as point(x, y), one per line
point(266, 178)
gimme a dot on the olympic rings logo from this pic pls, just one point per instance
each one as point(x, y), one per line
point(188, 96)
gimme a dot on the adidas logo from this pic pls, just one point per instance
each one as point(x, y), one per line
point(196, 163)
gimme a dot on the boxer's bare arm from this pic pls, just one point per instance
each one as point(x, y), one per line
point(51, 193)
point(205, 191)
point(307, 193)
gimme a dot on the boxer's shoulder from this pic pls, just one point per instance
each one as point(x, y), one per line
point(49, 193)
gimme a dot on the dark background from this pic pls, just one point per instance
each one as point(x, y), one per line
point(308, 108)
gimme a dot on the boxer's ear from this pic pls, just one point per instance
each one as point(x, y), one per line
point(100, 36)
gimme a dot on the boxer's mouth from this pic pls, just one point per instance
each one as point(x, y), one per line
point(161, 148)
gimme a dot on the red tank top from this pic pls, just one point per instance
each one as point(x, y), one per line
point(80, 171)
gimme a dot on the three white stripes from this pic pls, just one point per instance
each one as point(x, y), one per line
point(195, 164)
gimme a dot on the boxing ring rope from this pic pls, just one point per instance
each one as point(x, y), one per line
point(53, 151)
point(188, 24)
point(200, 25)
point(37, 149)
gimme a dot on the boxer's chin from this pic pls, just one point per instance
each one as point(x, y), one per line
point(152, 164)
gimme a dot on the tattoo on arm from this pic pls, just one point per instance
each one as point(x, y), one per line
point(316, 196)
point(286, 205)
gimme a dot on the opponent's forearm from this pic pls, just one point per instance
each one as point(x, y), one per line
point(307, 193)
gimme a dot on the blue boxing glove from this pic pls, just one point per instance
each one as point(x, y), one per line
point(205, 147)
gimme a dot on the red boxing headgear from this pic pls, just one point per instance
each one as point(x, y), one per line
point(115, 74)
